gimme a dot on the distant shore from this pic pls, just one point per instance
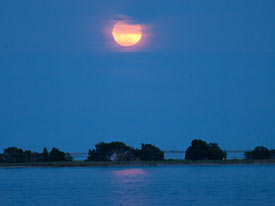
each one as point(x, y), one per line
point(137, 163)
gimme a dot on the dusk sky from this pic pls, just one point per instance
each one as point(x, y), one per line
point(203, 69)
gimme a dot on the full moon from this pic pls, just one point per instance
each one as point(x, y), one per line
point(126, 34)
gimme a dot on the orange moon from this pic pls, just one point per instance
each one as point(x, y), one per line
point(126, 34)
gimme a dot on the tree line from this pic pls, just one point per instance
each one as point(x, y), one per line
point(260, 152)
point(17, 155)
point(119, 151)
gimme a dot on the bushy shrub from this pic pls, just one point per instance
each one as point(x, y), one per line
point(113, 151)
point(150, 152)
point(259, 152)
point(118, 151)
point(16, 155)
point(200, 150)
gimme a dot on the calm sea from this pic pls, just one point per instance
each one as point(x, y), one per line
point(162, 185)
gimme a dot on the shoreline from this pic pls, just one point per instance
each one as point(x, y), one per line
point(137, 163)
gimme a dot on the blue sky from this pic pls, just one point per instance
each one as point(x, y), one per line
point(207, 71)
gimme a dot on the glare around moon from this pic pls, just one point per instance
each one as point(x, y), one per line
point(126, 34)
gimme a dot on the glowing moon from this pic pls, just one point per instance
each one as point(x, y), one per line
point(126, 34)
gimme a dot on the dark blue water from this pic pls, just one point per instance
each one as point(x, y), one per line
point(173, 185)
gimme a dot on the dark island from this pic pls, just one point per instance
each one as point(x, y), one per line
point(120, 154)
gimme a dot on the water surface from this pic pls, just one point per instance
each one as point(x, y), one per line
point(163, 185)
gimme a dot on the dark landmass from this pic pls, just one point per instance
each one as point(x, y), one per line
point(201, 150)
point(119, 151)
point(137, 163)
point(120, 154)
point(17, 155)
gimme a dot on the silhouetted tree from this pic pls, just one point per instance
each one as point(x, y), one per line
point(14, 155)
point(45, 155)
point(197, 151)
point(56, 155)
point(37, 157)
point(2, 158)
point(259, 152)
point(27, 156)
point(200, 150)
point(93, 156)
point(150, 152)
point(113, 151)
point(215, 152)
